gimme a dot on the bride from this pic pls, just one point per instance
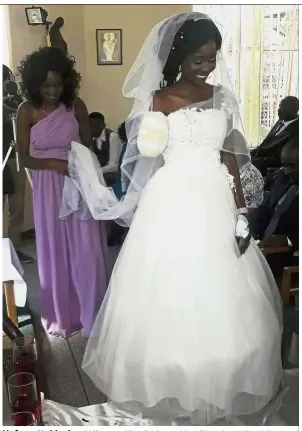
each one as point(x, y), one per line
point(191, 324)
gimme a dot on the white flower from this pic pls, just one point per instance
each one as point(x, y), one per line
point(153, 134)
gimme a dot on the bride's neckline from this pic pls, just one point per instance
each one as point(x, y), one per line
point(192, 105)
point(188, 107)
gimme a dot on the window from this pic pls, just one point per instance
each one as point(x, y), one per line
point(263, 39)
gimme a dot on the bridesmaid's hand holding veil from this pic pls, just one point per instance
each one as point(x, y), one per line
point(60, 166)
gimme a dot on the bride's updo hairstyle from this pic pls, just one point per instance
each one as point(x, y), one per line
point(192, 35)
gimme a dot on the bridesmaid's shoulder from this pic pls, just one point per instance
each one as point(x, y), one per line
point(26, 108)
point(80, 108)
point(79, 103)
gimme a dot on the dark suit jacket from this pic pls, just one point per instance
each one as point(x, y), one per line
point(289, 221)
point(273, 144)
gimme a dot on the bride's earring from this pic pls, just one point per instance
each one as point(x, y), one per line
point(179, 73)
point(180, 70)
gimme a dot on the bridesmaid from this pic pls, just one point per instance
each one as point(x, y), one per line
point(72, 253)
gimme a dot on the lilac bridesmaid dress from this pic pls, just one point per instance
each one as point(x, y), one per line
point(72, 253)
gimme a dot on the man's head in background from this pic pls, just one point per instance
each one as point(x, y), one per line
point(290, 160)
point(97, 124)
point(288, 108)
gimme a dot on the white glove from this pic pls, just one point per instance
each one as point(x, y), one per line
point(242, 227)
point(153, 134)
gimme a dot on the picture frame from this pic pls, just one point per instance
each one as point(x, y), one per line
point(109, 47)
point(34, 15)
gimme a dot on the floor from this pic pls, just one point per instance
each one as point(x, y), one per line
point(67, 384)
point(66, 381)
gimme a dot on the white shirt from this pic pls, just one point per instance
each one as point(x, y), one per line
point(285, 124)
point(114, 150)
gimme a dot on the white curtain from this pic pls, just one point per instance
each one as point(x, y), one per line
point(5, 56)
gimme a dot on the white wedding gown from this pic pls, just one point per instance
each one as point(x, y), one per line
point(188, 327)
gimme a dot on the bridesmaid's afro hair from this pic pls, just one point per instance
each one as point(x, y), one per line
point(190, 37)
point(35, 67)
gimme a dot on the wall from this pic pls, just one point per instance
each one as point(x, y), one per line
point(101, 85)
point(24, 38)
point(104, 83)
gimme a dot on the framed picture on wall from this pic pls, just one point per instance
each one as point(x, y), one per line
point(109, 47)
point(34, 15)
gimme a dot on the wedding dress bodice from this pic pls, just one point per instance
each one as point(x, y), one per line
point(196, 130)
point(195, 134)
point(196, 137)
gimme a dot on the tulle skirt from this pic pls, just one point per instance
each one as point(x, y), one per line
point(188, 327)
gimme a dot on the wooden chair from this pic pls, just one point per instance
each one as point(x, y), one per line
point(290, 284)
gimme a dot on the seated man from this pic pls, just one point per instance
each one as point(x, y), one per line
point(267, 154)
point(117, 232)
point(278, 216)
point(121, 131)
point(107, 146)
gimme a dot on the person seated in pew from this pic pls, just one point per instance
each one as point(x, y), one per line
point(117, 187)
point(106, 145)
point(276, 221)
point(117, 232)
point(267, 154)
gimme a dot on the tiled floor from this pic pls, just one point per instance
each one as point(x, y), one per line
point(62, 359)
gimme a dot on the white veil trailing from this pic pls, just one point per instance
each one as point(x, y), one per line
point(85, 192)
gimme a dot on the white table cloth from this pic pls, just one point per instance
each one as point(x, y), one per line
point(12, 270)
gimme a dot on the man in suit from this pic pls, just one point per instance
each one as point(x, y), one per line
point(117, 232)
point(107, 146)
point(267, 154)
point(277, 218)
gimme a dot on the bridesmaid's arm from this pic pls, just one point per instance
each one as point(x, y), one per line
point(81, 115)
point(24, 123)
